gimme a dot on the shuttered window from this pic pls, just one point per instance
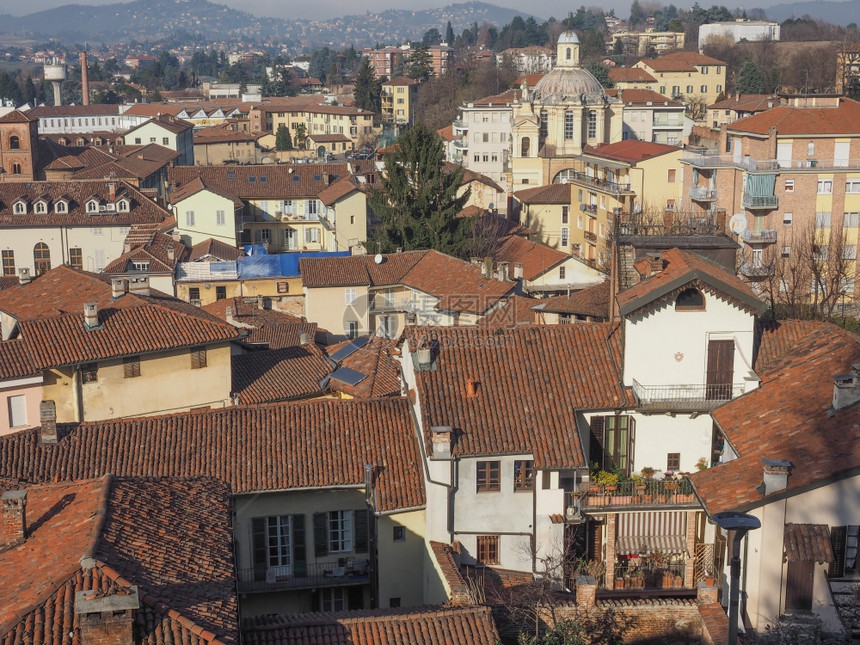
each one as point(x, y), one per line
point(198, 358)
point(131, 365)
point(488, 549)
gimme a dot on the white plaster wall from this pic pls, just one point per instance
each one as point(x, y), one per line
point(101, 236)
point(205, 206)
point(665, 346)
point(658, 434)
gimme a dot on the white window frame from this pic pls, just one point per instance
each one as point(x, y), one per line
point(220, 218)
point(789, 185)
point(17, 408)
point(340, 532)
point(350, 296)
point(825, 186)
point(189, 218)
point(787, 219)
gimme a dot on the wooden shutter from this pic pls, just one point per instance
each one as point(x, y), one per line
point(362, 532)
point(300, 550)
point(320, 534)
point(259, 551)
point(597, 431)
point(838, 539)
point(798, 585)
point(721, 360)
point(198, 358)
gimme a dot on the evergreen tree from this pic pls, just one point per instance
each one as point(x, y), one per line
point(301, 135)
point(283, 141)
point(449, 34)
point(368, 89)
point(29, 94)
point(417, 197)
point(601, 72)
point(750, 79)
point(419, 63)
point(637, 15)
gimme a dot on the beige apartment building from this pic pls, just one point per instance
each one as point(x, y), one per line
point(398, 100)
point(688, 75)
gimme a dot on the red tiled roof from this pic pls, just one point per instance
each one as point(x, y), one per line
point(155, 251)
point(15, 361)
point(682, 61)
point(357, 270)
point(516, 311)
point(630, 75)
point(49, 311)
point(777, 337)
point(374, 360)
point(216, 249)
point(551, 194)
point(535, 257)
point(459, 589)
point(279, 374)
point(43, 111)
point(17, 116)
point(281, 180)
point(593, 301)
point(423, 626)
point(531, 380)
point(636, 97)
point(166, 121)
point(631, 150)
point(681, 268)
point(274, 329)
point(799, 121)
point(337, 190)
point(807, 543)
point(135, 532)
point(226, 444)
point(447, 133)
point(141, 208)
point(788, 419)
point(498, 100)
point(746, 103)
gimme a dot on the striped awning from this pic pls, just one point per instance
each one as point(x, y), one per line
point(646, 532)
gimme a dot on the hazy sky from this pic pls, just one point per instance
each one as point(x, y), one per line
point(330, 8)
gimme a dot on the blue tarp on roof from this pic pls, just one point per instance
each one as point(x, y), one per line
point(278, 265)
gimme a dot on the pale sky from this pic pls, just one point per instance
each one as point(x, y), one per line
point(323, 9)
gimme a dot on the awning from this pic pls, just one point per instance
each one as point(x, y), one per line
point(642, 544)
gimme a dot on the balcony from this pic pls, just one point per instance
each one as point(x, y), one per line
point(757, 202)
point(590, 237)
point(459, 124)
point(702, 194)
point(591, 209)
point(684, 398)
point(345, 573)
point(751, 270)
point(602, 184)
point(764, 236)
point(461, 143)
point(640, 495)
point(381, 304)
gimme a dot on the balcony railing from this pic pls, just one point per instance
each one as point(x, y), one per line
point(698, 397)
point(602, 184)
point(760, 201)
point(590, 237)
point(591, 209)
point(459, 124)
point(702, 194)
point(462, 144)
point(756, 270)
point(764, 236)
point(647, 493)
point(661, 121)
point(332, 574)
point(644, 573)
point(382, 304)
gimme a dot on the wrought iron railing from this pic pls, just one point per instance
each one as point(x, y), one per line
point(685, 397)
point(649, 492)
point(642, 573)
point(331, 574)
point(589, 236)
point(603, 184)
point(756, 271)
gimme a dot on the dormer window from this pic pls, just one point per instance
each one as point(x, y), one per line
point(122, 206)
point(92, 206)
point(690, 300)
point(20, 208)
point(41, 207)
point(61, 207)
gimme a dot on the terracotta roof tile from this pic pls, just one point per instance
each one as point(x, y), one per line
point(144, 533)
point(15, 360)
point(358, 270)
point(775, 338)
point(681, 61)
point(535, 257)
point(746, 103)
point(423, 626)
point(787, 418)
point(682, 268)
point(516, 311)
point(798, 121)
point(279, 374)
point(551, 194)
point(216, 249)
point(457, 587)
point(337, 190)
point(642, 97)
point(593, 301)
point(631, 151)
point(226, 445)
point(156, 250)
point(17, 116)
point(274, 329)
point(630, 75)
point(375, 361)
point(269, 181)
point(807, 543)
point(530, 381)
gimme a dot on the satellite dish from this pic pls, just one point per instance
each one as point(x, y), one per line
point(738, 223)
point(492, 205)
point(378, 258)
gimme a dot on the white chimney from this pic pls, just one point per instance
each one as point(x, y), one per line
point(441, 440)
point(23, 275)
point(118, 287)
point(775, 475)
point(425, 358)
point(487, 269)
point(304, 339)
point(139, 285)
point(502, 272)
point(171, 253)
point(518, 271)
point(846, 388)
point(91, 315)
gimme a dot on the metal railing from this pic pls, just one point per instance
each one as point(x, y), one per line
point(462, 143)
point(760, 201)
point(602, 184)
point(685, 397)
point(764, 236)
point(460, 124)
point(702, 194)
point(662, 120)
point(589, 236)
point(649, 492)
point(642, 573)
point(756, 271)
point(331, 574)
point(379, 303)
point(591, 209)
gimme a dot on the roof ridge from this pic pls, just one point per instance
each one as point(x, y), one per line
point(90, 555)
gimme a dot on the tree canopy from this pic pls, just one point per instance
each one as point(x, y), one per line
point(368, 88)
point(417, 198)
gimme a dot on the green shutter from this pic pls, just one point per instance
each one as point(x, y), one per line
point(300, 549)
point(597, 430)
point(258, 547)
point(361, 530)
point(838, 540)
point(320, 534)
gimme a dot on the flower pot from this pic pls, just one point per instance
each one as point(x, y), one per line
point(709, 581)
point(619, 583)
point(611, 488)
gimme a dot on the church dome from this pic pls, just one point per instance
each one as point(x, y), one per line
point(566, 84)
point(568, 38)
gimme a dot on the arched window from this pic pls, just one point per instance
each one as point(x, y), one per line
point(42, 258)
point(525, 146)
point(567, 54)
point(16, 169)
point(14, 143)
point(690, 300)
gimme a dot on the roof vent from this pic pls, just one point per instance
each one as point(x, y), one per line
point(118, 287)
point(23, 275)
point(440, 437)
point(846, 388)
point(91, 315)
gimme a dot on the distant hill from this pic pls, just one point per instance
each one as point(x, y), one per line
point(837, 13)
point(158, 19)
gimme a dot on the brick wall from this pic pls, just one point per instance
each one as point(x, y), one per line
point(664, 619)
point(107, 628)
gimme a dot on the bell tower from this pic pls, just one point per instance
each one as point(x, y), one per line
point(19, 146)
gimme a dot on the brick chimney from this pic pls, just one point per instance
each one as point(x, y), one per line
point(118, 287)
point(91, 315)
point(775, 475)
point(107, 618)
point(48, 421)
point(441, 440)
point(668, 219)
point(472, 388)
point(139, 285)
point(502, 272)
point(85, 80)
point(23, 275)
point(721, 220)
point(846, 388)
point(112, 189)
point(14, 519)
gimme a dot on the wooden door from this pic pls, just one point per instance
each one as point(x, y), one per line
point(721, 369)
point(798, 586)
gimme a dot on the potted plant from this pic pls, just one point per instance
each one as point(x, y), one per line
point(647, 471)
point(608, 480)
point(702, 464)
